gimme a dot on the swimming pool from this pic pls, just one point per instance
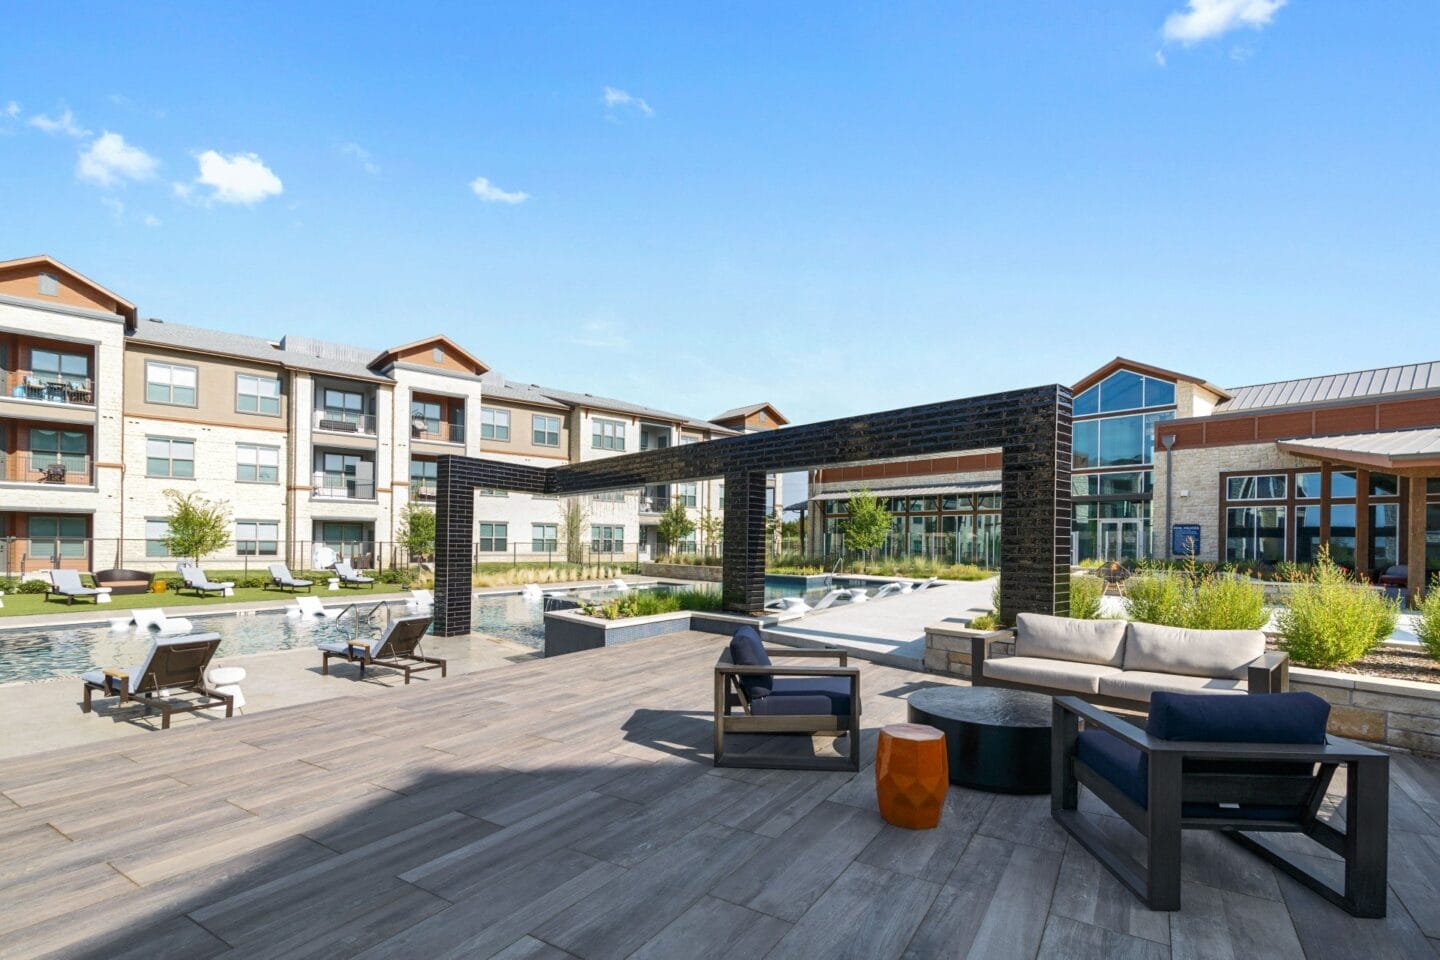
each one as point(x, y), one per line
point(38, 653)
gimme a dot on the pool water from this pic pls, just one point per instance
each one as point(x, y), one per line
point(40, 653)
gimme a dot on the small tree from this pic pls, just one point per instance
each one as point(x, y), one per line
point(867, 525)
point(196, 526)
point(712, 527)
point(572, 529)
point(417, 531)
point(675, 525)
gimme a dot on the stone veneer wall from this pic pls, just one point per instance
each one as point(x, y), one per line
point(682, 571)
point(1392, 713)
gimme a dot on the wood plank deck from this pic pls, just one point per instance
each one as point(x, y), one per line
point(568, 808)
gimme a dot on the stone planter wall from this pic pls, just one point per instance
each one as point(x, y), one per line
point(1393, 713)
point(681, 571)
point(569, 631)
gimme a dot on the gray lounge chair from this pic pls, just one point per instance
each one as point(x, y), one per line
point(195, 579)
point(172, 665)
point(397, 648)
point(350, 578)
point(66, 583)
point(280, 576)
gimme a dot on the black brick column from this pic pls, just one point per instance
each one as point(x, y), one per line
point(743, 556)
point(1036, 525)
point(454, 521)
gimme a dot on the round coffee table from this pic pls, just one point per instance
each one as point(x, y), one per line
point(997, 739)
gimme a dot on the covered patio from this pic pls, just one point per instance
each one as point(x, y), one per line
point(568, 808)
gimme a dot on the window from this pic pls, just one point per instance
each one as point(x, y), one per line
point(1086, 440)
point(437, 354)
point(1307, 486)
point(688, 495)
point(52, 365)
point(425, 416)
point(1110, 484)
point(1267, 487)
point(49, 285)
point(1342, 484)
point(346, 406)
point(1384, 535)
point(347, 475)
point(1122, 390)
point(1088, 402)
point(424, 479)
point(607, 435)
point(346, 538)
point(157, 535)
point(610, 496)
point(57, 537)
point(1150, 420)
point(170, 383)
point(1342, 534)
point(1122, 442)
point(543, 537)
point(1307, 532)
point(257, 538)
point(493, 538)
point(169, 458)
point(545, 431)
point(1384, 485)
point(494, 424)
point(70, 447)
point(257, 464)
point(1255, 533)
point(492, 492)
point(257, 395)
point(607, 539)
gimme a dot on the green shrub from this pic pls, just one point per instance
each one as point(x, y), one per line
point(1330, 620)
point(400, 575)
point(1197, 600)
point(1427, 626)
point(986, 621)
point(8, 584)
point(1157, 597)
point(646, 603)
point(1085, 593)
point(33, 586)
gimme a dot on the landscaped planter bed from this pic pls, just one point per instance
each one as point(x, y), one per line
point(570, 631)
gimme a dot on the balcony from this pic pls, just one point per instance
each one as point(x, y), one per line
point(329, 486)
point(47, 469)
point(654, 503)
point(423, 491)
point(436, 431)
point(344, 423)
point(47, 387)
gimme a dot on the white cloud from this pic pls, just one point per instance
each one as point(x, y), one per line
point(490, 193)
point(150, 220)
point(1160, 58)
point(65, 123)
point(361, 155)
point(1207, 19)
point(12, 109)
point(238, 178)
point(601, 335)
point(109, 159)
point(616, 99)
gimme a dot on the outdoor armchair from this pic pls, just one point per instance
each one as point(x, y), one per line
point(776, 699)
point(1239, 765)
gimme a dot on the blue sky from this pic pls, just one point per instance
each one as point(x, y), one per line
point(837, 208)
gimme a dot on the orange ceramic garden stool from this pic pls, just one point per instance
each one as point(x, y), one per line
point(911, 775)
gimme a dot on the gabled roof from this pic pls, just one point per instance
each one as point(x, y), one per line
point(451, 346)
point(295, 353)
point(1361, 384)
point(127, 309)
point(1160, 373)
point(740, 413)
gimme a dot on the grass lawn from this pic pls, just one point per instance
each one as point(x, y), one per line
point(30, 604)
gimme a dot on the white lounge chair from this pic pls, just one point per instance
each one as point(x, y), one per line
point(925, 585)
point(889, 590)
point(859, 595)
point(66, 583)
point(789, 605)
point(155, 619)
point(280, 576)
point(195, 579)
point(421, 601)
point(308, 607)
point(839, 593)
point(350, 578)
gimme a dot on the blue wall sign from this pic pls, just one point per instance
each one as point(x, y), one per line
point(1184, 539)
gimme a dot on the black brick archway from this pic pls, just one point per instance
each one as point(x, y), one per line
point(1031, 427)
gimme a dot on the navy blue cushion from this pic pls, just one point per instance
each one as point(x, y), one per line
point(793, 696)
point(1254, 718)
point(746, 650)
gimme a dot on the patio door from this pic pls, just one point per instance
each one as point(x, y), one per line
point(1119, 540)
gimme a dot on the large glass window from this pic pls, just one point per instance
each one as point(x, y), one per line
point(169, 458)
point(425, 414)
point(1159, 393)
point(1255, 534)
point(1384, 485)
point(157, 537)
point(346, 406)
point(60, 537)
point(55, 366)
point(1122, 441)
point(257, 538)
point(1342, 534)
point(606, 538)
point(1307, 486)
point(1270, 486)
point(1087, 402)
point(70, 447)
point(424, 480)
point(687, 494)
point(1307, 533)
point(1342, 484)
point(607, 435)
point(544, 537)
point(494, 424)
point(257, 394)
point(494, 538)
point(1122, 390)
point(170, 383)
point(545, 431)
point(1384, 536)
point(1150, 420)
point(257, 464)
point(1086, 443)
point(347, 475)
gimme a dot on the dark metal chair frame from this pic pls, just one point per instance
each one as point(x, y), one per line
point(182, 667)
point(1363, 844)
point(1267, 673)
point(397, 653)
point(730, 693)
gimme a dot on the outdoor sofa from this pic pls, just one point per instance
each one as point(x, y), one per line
point(1120, 664)
point(1243, 766)
point(66, 583)
point(397, 648)
point(779, 700)
point(173, 665)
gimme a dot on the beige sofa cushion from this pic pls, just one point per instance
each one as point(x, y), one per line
point(1059, 674)
point(1194, 653)
point(1061, 638)
point(1139, 684)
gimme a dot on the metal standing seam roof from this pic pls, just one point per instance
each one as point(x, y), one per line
point(1393, 445)
point(1382, 381)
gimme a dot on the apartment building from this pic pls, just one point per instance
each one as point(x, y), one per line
point(106, 416)
point(1167, 464)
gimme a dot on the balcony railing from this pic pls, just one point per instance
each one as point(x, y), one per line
point(654, 504)
point(47, 468)
point(424, 490)
point(326, 486)
point(47, 387)
point(437, 431)
point(339, 421)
